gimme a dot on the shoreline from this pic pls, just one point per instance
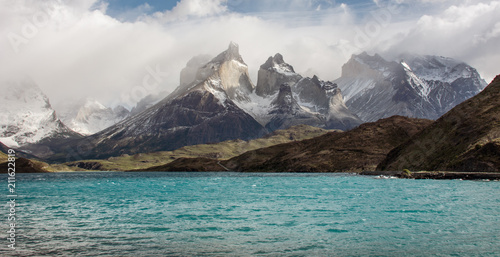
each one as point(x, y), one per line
point(436, 175)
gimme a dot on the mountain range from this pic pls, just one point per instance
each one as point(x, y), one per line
point(466, 141)
point(216, 101)
point(219, 102)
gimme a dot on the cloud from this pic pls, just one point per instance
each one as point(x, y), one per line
point(79, 50)
point(192, 9)
point(469, 32)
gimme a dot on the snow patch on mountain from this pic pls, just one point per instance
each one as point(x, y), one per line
point(27, 116)
point(414, 85)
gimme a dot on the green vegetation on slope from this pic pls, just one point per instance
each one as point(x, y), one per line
point(221, 151)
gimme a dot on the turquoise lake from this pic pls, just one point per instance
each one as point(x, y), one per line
point(240, 214)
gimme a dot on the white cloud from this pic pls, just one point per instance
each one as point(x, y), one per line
point(469, 32)
point(80, 51)
point(193, 9)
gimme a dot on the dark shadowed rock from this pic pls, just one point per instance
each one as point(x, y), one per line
point(467, 138)
point(286, 112)
point(273, 73)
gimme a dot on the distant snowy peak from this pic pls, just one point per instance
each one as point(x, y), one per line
point(27, 116)
point(439, 68)
point(412, 85)
point(90, 116)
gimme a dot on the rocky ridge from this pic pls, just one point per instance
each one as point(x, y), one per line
point(467, 138)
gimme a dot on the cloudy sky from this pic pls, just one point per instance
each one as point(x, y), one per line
point(119, 50)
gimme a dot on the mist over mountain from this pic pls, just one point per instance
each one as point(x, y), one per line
point(202, 111)
point(414, 86)
point(27, 116)
point(90, 116)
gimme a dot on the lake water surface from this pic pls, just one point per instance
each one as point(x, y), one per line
point(238, 214)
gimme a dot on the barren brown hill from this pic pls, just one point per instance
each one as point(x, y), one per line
point(467, 138)
point(23, 165)
point(360, 149)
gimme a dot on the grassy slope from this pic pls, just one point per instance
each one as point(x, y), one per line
point(222, 151)
point(3, 157)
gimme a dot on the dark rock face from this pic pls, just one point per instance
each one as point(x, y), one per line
point(416, 86)
point(196, 118)
point(287, 112)
point(464, 139)
point(273, 73)
point(314, 91)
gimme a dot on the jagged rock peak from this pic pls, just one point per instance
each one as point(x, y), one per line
point(364, 56)
point(277, 64)
point(315, 79)
point(232, 53)
point(274, 72)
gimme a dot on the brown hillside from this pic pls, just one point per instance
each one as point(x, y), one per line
point(467, 138)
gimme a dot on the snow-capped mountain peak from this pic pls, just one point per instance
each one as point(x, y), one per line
point(27, 116)
point(415, 86)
